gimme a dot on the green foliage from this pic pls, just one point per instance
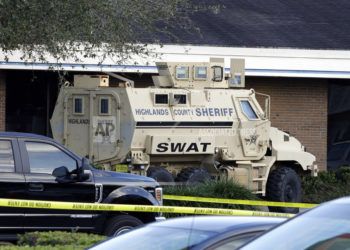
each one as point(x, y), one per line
point(55, 240)
point(343, 174)
point(327, 186)
point(98, 29)
point(215, 189)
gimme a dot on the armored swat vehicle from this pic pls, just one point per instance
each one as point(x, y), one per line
point(194, 124)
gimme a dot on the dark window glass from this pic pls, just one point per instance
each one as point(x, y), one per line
point(161, 99)
point(78, 105)
point(7, 163)
point(158, 238)
point(237, 241)
point(348, 158)
point(180, 99)
point(337, 151)
point(329, 224)
point(104, 106)
point(248, 110)
point(44, 158)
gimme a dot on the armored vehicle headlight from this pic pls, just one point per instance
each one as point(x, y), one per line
point(216, 150)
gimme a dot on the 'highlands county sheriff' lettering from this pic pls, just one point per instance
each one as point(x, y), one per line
point(178, 147)
point(215, 112)
point(79, 121)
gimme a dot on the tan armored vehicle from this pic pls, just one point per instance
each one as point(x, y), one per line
point(191, 126)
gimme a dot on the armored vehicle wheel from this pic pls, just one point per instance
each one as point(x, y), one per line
point(193, 175)
point(160, 174)
point(283, 185)
point(120, 224)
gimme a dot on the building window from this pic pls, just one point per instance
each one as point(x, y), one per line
point(248, 110)
point(44, 158)
point(182, 72)
point(104, 106)
point(7, 163)
point(161, 99)
point(78, 105)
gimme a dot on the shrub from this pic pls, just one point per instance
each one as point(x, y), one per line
point(57, 239)
point(343, 174)
point(63, 247)
point(214, 189)
point(327, 186)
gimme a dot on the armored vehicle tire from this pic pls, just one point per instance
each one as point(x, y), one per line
point(120, 224)
point(193, 175)
point(283, 185)
point(160, 174)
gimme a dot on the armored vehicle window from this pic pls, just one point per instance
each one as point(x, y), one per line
point(44, 158)
point(182, 72)
point(78, 105)
point(248, 110)
point(218, 73)
point(200, 73)
point(235, 81)
point(180, 99)
point(161, 99)
point(7, 163)
point(104, 106)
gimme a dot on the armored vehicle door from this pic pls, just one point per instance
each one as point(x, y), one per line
point(253, 127)
point(91, 123)
point(105, 125)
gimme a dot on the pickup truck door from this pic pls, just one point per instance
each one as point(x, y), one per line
point(39, 159)
point(12, 184)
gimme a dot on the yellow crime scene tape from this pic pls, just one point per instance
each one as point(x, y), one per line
point(239, 202)
point(133, 208)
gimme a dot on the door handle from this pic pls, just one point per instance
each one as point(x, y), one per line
point(36, 187)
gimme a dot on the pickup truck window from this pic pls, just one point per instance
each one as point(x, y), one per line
point(44, 158)
point(7, 163)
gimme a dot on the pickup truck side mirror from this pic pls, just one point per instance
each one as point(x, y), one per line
point(62, 175)
point(60, 172)
point(85, 163)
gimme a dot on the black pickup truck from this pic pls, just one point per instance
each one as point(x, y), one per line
point(36, 167)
